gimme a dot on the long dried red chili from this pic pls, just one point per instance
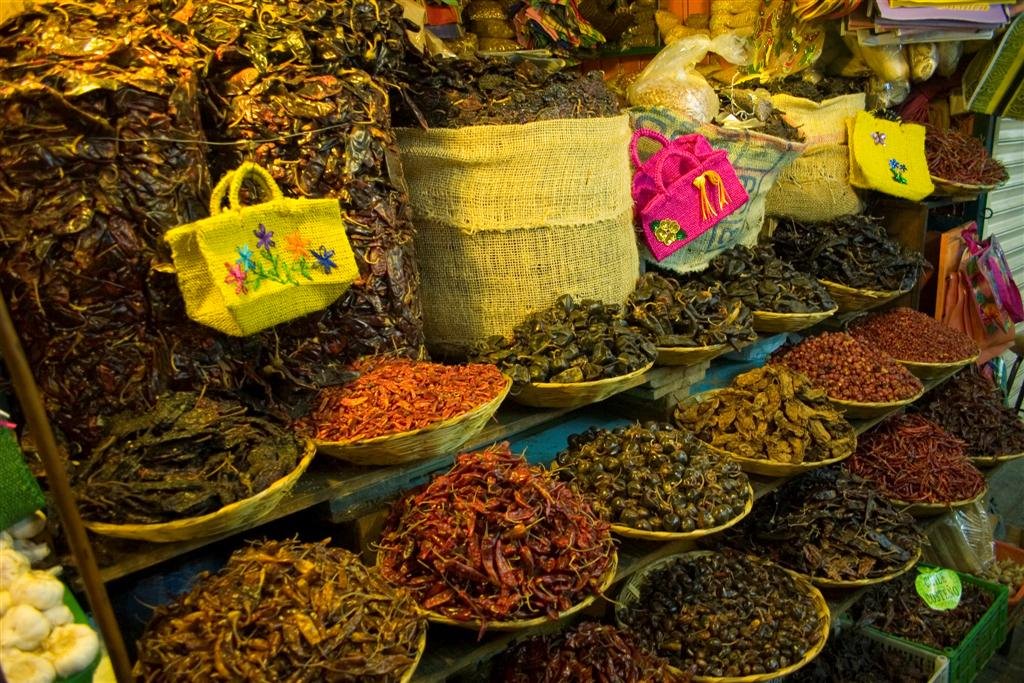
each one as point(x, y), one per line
point(913, 459)
point(961, 158)
point(395, 395)
point(495, 539)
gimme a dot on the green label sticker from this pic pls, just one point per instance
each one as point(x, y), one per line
point(939, 588)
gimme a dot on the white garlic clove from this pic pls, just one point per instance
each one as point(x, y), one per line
point(71, 648)
point(37, 588)
point(23, 627)
point(29, 527)
point(12, 565)
point(59, 615)
point(26, 667)
point(34, 552)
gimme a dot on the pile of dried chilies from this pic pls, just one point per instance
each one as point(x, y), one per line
point(961, 158)
point(909, 335)
point(393, 395)
point(496, 539)
point(829, 524)
point(850, 657)
point(284, 611)
point(914, 460)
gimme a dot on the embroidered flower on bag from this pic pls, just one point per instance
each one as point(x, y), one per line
point(236, 276)
point(879, 137)
point(324, 259)
point(296, 244)
point(264, 238)
point(898, 170)
point(245, 257)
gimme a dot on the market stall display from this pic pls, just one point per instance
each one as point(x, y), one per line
point(831, 527)
point(852, 656)
point(571, 354)
point(497, 543)
point(193, 466)
point(917, 341)
point(400, 410)
point(771, 421)
point(971, 408)
point(688, 322)
point(859, 379)
point(288, 611)
point(916, 463)
point(654, 481)
point(960, 165)
point(782, 298)
point(725, 616)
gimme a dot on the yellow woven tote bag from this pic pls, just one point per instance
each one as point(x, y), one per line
point(250, 267)
point(889, 157)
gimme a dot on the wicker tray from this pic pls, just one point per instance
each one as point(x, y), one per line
point(629, 532)
point(933, 509)
point(688, 356)
point(767, 321)
point(864, 411)
point(441, 438)
point(631, 592)
point(229, 518)
point(551, 395)
point(859, 583)
point(420, 649)
point(993, 460)
point(951, 188)
point(516, 625)
point(935, 370)
point(850, 299)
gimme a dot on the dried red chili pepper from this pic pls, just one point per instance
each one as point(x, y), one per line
point(909, 335)
point(963, 159)
point(394, 395)
point(913, 459)
point(496, 539)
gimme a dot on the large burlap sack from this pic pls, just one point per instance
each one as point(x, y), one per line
point(815, 187)
point(758, 160)
point(509, 218)
point(822, 123)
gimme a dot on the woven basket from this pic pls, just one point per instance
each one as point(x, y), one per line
point(933, 509)
point(241, 513)
point(631, 592)
point(993, 460)
point(516, 625)
point(850, 299)
point(822, 582)
point(951, 188)
point(866, 411)
point(440, 438)
point(769, 468)
point(767, 321)
point(629, 532)
point(552, 395)
point(678, 355)
point(935, 370)
point(420, 648)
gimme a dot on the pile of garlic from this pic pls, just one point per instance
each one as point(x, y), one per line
point(39, 640)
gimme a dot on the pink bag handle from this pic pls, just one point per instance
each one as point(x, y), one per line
point(659, 177)
point(644, 133)
point(970, 237)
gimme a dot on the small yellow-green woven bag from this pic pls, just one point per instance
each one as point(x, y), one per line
point(247, 268)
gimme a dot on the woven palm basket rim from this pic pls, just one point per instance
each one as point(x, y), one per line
point(449, 434)
point(630, 532)
point(554, 395)
point(928, 509)
point(994, 459)
point(932, 370)
point(687, 355)
point(945, 185)
point(877, 294)
point(517, 624)
point(806, 586)
point(857, 583)
point(227, 518)
point(420, 649)
point(858, 409)
point(769, 321)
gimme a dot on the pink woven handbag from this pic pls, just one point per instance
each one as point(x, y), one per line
point(682, 190)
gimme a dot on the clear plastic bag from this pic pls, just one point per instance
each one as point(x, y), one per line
point(962, 540)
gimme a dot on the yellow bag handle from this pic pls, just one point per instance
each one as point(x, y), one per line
point(230, 185)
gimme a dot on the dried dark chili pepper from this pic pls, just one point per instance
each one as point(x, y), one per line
point(496, 539)
point(850, 657)
point(961, 158)
point(284, 611)
point(913, 459)
point(395, 395)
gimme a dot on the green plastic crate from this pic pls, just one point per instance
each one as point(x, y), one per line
point(968, 659)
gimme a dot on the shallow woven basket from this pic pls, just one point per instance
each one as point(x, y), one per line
point(516, 625)
point(420, 648)
point(850, 299)
point(770, 468)
point(441, 438)
point(933, 509)
point(858, 583)
point(678, 355)
point(630, 593)
point(552, 395)
point(866, 411)
point(951, 188)
point(630, 532)
point(935, 370)
point(767, 321)
point(993, 460)
point(229, 518)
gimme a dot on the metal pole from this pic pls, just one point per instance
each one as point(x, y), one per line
point(35, 414)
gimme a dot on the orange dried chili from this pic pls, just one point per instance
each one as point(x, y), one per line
point(394, 395)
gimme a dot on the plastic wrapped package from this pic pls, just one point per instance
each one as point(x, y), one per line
point(949, 57)
point(924, 60)
point(962, 540)
point(885, 94)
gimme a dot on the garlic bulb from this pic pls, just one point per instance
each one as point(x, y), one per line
point(23, 627)
point(26, 667)
point(71, 648)
point(37, 588)
point(33, 552)
point(12, 565)
point(59, 615)
point(29, 527)
point(5, 602)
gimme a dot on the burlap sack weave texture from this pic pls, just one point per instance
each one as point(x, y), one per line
point(822, 123)
point(509, 218)
point(815, 187)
